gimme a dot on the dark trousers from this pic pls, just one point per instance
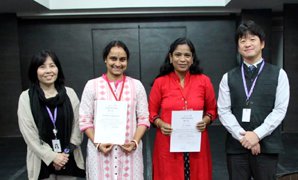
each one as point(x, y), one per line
point(245, 166)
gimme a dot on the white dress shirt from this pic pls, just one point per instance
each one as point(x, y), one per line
point(271, 122)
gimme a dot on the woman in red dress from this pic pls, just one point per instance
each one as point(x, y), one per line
point(181, 85)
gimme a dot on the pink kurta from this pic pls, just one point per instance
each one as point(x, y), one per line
point(167, 95)
point(116, 165)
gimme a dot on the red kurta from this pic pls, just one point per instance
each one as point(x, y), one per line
point(167, 95)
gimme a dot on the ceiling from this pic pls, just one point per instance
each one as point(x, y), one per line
point(30, 8)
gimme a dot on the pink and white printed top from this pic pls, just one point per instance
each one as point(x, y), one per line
point(117, 164)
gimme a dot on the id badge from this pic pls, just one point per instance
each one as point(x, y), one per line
point(56, 145)
point(246, 114)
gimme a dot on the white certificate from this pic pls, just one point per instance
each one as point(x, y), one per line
point(110, 121)
point(185, 136)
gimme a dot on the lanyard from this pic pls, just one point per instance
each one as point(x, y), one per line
point(124, 77)
point(248, 93)
point(53, 118)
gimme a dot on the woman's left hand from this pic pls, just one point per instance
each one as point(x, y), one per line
point(128, 147)
point(201, 126)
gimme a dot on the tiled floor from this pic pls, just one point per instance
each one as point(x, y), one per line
point(13, 156)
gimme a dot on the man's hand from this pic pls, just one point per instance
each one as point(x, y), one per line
point(255, 150)
point(249, 139)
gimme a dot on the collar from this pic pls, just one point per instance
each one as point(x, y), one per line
point(177, 79)
point(254, 64)
point(110, 81)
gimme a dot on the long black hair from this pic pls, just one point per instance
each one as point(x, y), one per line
point(61, 101)
point(167, 67)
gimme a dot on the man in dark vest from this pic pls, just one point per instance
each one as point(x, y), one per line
point(252, 102)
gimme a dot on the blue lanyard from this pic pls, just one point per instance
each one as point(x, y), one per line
point(53, 119)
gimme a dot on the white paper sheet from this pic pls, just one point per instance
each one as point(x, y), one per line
point(185, 136)
point(110, 122)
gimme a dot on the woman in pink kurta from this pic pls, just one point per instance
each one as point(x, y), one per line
point(109, 161)
point(181, 86)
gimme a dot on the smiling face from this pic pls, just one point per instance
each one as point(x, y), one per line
point(181, 58)
point(116, 63)
point(250, 47)
point(47, 73)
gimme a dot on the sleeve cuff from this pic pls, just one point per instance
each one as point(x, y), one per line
point(260, 133)
point(82, 129)
point(49, 157)
point(145, 124)
point(239, 136)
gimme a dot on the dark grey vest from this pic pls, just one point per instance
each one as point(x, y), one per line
point(261, 104)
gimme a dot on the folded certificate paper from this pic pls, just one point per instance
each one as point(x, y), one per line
point(110, 121)
point(185, 136)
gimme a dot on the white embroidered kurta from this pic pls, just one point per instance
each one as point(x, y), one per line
point(116, 165)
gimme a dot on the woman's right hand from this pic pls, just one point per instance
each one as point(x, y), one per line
point(105, 148)
point(164, 127)
point(57, 167)
point(61, 159)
